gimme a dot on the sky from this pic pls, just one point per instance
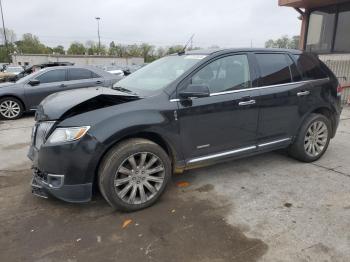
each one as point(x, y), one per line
point(225, 23)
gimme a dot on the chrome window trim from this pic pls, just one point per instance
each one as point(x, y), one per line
point(258, 88)
point(275, 142)
point(270, 86)
point(222, 154)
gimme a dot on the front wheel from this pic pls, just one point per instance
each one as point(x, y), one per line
point(134, 174)
point(313, 139)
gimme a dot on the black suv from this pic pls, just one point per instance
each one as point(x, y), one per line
point(182, 111)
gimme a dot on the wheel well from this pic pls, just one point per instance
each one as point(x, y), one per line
point(146, 135)
point(16, 97)
point(327, 113)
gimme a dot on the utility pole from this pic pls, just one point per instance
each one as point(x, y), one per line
point(98, 34)
point(3, 27)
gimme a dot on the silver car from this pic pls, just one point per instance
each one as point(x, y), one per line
point(27, 93)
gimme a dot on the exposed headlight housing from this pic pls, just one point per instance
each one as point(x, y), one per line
point(67, 134)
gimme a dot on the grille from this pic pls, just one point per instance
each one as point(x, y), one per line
point(41, 131)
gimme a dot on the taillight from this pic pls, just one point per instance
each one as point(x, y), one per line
point(339, 90)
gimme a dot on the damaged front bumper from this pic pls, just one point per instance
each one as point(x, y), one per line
point(65, 171)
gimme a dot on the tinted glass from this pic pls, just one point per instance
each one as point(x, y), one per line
point(53, 76)
point(321, 29)
point(342, 39)
point(225, 74)
point(310, 67)
point(274, 69)
point(296, 75)
point(79, 73)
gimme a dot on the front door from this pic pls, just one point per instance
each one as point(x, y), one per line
point(227, 119)
point(50, 82)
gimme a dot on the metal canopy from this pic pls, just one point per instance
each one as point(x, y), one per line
point(309, 3)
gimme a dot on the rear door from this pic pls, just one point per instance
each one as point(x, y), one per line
point(51, 82)
point(82, 77)
point(227, 119)
point(281, 86)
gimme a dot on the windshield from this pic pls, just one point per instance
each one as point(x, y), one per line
point(158, 74)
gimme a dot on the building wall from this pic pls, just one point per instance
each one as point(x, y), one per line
point(78, 60)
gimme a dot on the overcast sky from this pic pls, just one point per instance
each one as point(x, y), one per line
point(226, 23)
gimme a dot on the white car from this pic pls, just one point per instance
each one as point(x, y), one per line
point(114, 70)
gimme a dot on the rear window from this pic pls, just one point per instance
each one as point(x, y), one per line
point(274, 69)
point(80, 73)
point(309, 67)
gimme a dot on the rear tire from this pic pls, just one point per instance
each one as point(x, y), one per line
point(10, 108)
point(313, 139)
point(134, 174)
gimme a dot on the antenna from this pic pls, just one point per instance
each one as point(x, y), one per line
point(184, 49)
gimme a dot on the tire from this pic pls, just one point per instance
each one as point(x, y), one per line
point(124, 179)
point(312, 140)
point(10, 108)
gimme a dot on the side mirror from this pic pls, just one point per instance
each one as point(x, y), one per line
point(34, 82)
point(195, 90)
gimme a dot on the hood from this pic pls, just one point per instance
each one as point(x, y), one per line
point(7, 84)
point(69, 103)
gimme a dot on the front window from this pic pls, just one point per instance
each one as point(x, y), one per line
point(225, 74)
point(159, 74)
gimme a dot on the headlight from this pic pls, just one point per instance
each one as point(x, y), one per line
point(67, 134)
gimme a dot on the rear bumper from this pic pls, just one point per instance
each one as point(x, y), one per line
point(66, 171)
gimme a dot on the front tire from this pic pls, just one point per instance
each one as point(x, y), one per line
point(10, 108)
point(134, 174)
point(313, 139)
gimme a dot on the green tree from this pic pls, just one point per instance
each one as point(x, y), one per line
point(59, 50)
point(175, 49)
point(283, 42)
point(147, 51)
point(76, 48)
point(30, 44)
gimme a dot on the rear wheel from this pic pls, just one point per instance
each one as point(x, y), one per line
point(10, 108)
point(134, 174)
point(312, 140)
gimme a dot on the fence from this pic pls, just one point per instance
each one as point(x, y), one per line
point(340, 65)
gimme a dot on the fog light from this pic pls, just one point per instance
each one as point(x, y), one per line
point(55, 181)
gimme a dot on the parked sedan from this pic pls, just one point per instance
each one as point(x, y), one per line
point(27, 93)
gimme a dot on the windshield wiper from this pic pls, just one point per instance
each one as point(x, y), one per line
point(122, 89)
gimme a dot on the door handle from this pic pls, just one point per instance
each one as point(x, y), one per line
point(247, 103)
point(62, 85)
point(303, 93)
point(98, 82)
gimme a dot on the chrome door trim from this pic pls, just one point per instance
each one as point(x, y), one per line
point(222, 154)
point(275, 142)
point(258, 88)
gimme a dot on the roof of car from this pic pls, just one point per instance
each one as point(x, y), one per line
point(231, 50)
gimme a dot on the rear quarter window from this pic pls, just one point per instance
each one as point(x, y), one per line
point(309, 67)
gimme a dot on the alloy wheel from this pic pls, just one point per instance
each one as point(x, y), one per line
point(10, 109)
point(316, 138)
point(139, 178)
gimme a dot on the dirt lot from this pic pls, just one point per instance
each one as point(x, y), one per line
point(264, 208)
